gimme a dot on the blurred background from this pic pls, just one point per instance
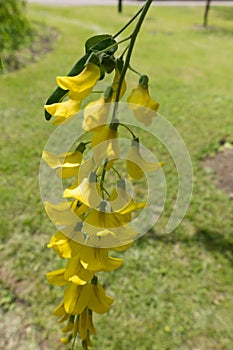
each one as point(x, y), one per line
point(174, 290)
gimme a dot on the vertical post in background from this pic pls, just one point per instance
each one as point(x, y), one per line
point(119, 6)
point(207, 7)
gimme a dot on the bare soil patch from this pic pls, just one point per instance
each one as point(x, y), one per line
point(222, 165)
point(44, 39)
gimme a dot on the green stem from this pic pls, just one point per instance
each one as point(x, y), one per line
point(145, 8)
point(127, 24)
point(134, 70)
point(118, 174)
point(126, 127)
point(102, 179)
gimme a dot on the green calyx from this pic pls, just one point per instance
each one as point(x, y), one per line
point(108, 93)
point(143, 81)
point(92, 177)
point(119, 64)
point(108, 62)
point(135, 142)
point(81, 147)
point(93, 58)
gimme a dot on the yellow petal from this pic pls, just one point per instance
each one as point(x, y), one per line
point(109, 263)
point(134, 171)
point(95, 114)
point(62, 111)
point(89, 258)
point(75, 272)
point(90, 324)
point(142, 105)
point(85, 169)
point(83, 325)
point(66, 160)
point(137, 166)
point(60, 310)
point(56, 277)
point(105, 145)
point(63, 246)
point(65, 340)
point(87, 192)
point(61, 214)
point(51, 159)
point(76, 298)
point(81, 85)
point(122, 202)
point(99, 302)
point(110, 227)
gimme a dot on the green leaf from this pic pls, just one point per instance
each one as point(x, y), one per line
point(79, 65)
point(101, 42)
point(59, 93)
point(95, 40)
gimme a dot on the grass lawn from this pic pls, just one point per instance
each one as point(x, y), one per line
point(174, 292)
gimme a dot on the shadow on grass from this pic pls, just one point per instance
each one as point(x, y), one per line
point(213, 30)
point(211, 241)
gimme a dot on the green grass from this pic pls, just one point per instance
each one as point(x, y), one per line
point(174, 291)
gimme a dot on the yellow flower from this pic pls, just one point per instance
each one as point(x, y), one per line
point(99, 302)
point(143, 106)
point(76, 273)
point(97, 259)
point(81, 85)
point(76, 298)
point(92, 259)
point(136, 165)
point(105, 145)
point(63, 213)
point(108, 229)
point(67, 164)
point(92, 296)
point(122, 202)
point(96, 113)
point(63, 111)
point(87, 192)
point(64, 246)
point(56, 277)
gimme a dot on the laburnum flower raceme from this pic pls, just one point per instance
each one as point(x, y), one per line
point(93, 219)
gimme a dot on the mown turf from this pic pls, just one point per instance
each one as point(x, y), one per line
point(174, 291)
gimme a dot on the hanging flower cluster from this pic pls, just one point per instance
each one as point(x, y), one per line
point(93, 221)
